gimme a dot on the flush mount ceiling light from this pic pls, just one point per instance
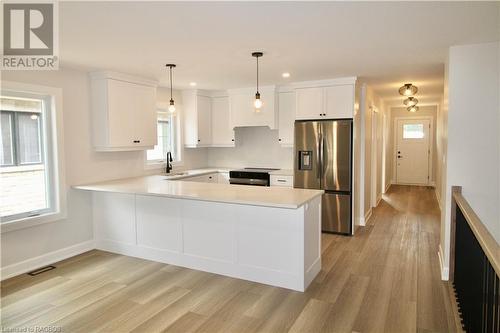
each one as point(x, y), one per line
point(257, 103)
point(412, 109)
point(410, 101)
point(171, 107)
point(408, 90)
point(192, 84)
point(285, 75)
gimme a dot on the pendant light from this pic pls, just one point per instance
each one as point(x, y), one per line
point(412, 109)
point(410, 101)
point(257, 102)
point(171, 107)
point(408, 90)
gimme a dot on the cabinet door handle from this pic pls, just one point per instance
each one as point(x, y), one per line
point(232, 140)
point(281, 180)
point(137, 141)
point(279, 140)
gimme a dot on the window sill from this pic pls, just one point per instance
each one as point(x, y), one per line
point(28, 222)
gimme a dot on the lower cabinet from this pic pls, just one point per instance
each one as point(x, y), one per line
point(214, 237)
point(283, 181)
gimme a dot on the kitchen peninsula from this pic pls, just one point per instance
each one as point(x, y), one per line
point(269, 235)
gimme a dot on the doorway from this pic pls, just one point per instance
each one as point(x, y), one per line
point(413, 150)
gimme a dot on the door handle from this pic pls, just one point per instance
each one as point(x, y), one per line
point(319, 153)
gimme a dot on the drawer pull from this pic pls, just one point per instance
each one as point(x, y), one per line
point(281, 180)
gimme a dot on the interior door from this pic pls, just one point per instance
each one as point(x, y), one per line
point(336, 155)
point(307, 172)
point(413, 151)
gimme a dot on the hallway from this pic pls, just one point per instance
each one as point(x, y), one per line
point(384, 279)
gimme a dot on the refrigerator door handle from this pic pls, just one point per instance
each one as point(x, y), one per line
point(319, 156)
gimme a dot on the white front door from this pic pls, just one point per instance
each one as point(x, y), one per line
point(413, 151)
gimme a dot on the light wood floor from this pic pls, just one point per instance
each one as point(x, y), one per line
point(384, 279)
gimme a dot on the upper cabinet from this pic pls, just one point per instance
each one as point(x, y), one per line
point(222, 131)
point(330, 100)
point(197, 112)
point(310, 103)
point(339, 101)
point(243, 113)
point(123, 112)
point(286, 118)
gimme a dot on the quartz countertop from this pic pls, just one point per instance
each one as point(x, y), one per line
point(175, 175)
point(159, 185)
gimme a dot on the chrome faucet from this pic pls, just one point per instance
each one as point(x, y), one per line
point(169, 161)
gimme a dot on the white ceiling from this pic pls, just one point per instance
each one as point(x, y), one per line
point(387, 44)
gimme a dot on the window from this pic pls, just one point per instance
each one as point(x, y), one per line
point(413, 131)
point(26, 168)
point(167, 139)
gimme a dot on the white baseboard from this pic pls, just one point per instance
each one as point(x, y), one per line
point(378, 200)
point(445, 270)
point(368, 215)
point(438, 198)
point(361, 222)
point(387, 187)
point(46, 259)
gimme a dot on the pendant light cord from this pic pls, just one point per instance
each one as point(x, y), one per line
point(171, 83)
point(257, 74)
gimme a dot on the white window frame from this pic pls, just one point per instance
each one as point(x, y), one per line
point(55, 160)
point(155, 164)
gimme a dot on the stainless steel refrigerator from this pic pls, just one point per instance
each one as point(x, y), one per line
point(323, 160)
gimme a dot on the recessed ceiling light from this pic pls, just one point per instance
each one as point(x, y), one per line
point(285, 75)
point(192, 84)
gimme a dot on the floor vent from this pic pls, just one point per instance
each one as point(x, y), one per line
point(41, 270)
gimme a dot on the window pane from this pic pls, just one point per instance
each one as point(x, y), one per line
point(413, 131)
point(30, 139)
point(25, 184)
point(166, 139)
point(7, 152)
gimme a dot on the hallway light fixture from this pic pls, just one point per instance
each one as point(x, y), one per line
point(412, 108)
point(408, 90)
point(257, 103)
point(410, 101)
point(171, 107)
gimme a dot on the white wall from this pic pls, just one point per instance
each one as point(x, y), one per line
point(427, 111)
point(82, 164)
point(473, 135)
point(255, 147)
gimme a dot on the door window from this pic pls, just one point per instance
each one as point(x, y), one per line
point(413, 131)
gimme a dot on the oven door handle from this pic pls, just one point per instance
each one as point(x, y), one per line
point(248, 181)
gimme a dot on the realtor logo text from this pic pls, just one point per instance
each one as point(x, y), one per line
point(29, 36)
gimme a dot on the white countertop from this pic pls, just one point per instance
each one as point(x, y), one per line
point(158, 185)
point(175, 175)
point(198, 172)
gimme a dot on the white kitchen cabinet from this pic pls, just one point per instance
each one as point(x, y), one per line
point(331, 102)
point(197, 111)
point(243, 113)
point(339, 101)
point(283, 181)
point(222, 131)
point(123, 112)
point(310, 103)
point(223, 177)
point(207, 178)
point(286, 118)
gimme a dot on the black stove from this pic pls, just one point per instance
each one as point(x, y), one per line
point(251, 176)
